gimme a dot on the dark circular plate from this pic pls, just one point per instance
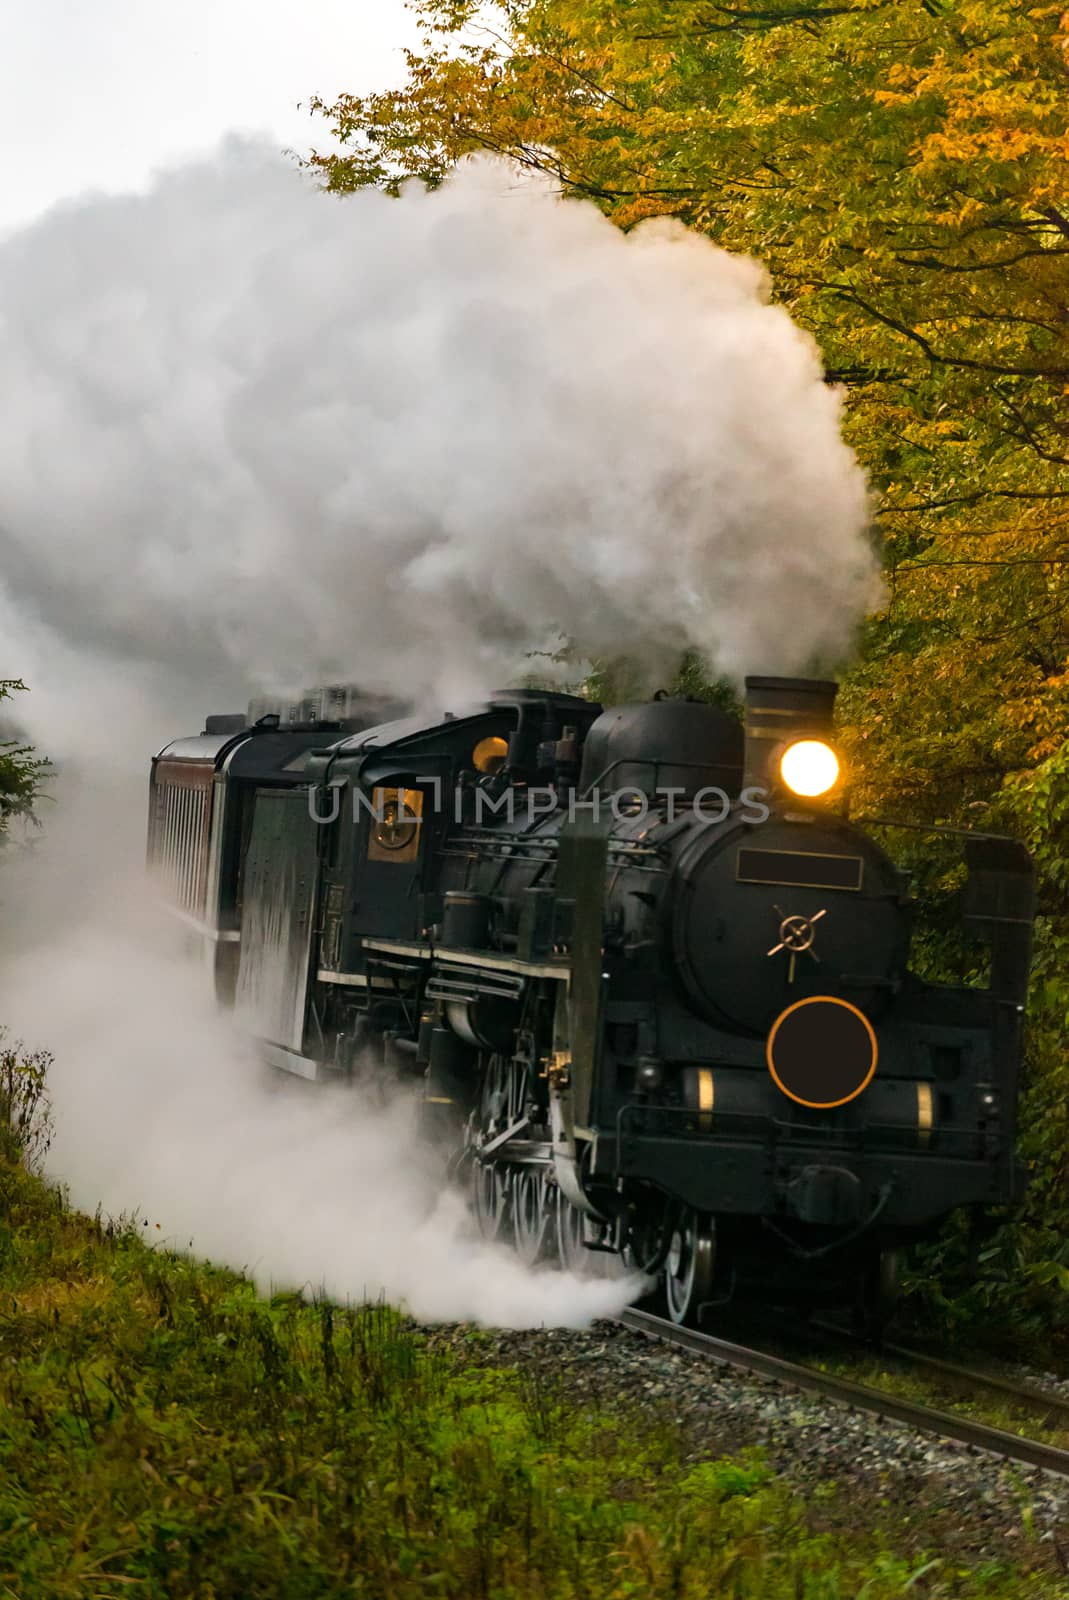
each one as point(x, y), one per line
point(822, 1051)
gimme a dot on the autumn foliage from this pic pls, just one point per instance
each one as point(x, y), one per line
point(900, 165)
point(901, 168)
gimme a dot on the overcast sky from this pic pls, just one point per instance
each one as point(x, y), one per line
point(94, 94)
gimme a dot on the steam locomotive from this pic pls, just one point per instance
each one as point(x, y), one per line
point(652, 982)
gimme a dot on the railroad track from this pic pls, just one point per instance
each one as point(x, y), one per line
point(955, 1376)
point(860, 1397)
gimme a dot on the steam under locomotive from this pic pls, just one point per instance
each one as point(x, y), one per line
point(654, 983)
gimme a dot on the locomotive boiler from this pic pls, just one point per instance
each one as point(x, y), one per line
point(651, 981)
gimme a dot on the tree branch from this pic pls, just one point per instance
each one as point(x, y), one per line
point(1001, 561)
point(752, 21)
point(851, 297)
point(975, 498)
point(1052, 214)
point(981, 266)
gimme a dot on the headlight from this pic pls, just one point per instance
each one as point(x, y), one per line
point(809, 767)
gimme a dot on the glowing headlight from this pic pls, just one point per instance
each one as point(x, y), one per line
point(809, 767)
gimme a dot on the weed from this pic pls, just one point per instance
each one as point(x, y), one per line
point(25, 1108)
point(165, 1432)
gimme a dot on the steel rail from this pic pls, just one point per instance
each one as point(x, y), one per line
point(843, 1391)
point(1028, 1394)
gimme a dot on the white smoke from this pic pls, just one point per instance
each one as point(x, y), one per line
point(161, 1107)
point(253, 437)
point(252, 428)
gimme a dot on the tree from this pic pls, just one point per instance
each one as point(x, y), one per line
point(21, 772)
point(900, 166)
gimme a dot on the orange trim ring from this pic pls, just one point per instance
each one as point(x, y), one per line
point(827, 1000)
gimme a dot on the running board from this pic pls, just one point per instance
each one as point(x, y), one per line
point(276, 1055)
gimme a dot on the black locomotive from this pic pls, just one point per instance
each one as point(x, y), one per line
point(654, 982)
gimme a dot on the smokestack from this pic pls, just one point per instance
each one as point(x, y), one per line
point(779, 710)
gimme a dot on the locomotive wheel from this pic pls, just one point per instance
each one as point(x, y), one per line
point(648, 1243)
point(494, 1096)
point(877, 1295)
point(568, 1226)
point(532, 1214)
point(491, 1199)
point(689, 1268)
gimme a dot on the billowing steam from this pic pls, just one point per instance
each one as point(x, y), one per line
point(254, 437)
point(160, 1107)
point(251, 429)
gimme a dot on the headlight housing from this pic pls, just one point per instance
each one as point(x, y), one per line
point(809, 767)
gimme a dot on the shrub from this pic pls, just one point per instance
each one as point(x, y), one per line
point(25, 1108)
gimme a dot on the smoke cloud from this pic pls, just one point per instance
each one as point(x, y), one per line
point(255, 437)
point(256, 433)
point(161, 1108)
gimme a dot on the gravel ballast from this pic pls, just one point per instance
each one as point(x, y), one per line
point(860, 1472)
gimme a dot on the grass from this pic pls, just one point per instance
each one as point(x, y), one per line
point(164, 1432)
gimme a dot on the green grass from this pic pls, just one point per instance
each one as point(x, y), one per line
point(164, 1432)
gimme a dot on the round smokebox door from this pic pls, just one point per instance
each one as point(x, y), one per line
point(767, 915)
point(822, 1051)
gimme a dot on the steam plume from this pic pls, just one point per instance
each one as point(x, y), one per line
point(160, 1107)
point(255, 432)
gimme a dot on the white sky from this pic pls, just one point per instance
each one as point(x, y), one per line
point(95, 94)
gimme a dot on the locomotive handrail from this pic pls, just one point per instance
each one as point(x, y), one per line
point(550, 842)
point(460, 987)
point(934, 827)
point(866, 1139)
point(839, 1136)
point(637, 1106)
point(637, 761)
